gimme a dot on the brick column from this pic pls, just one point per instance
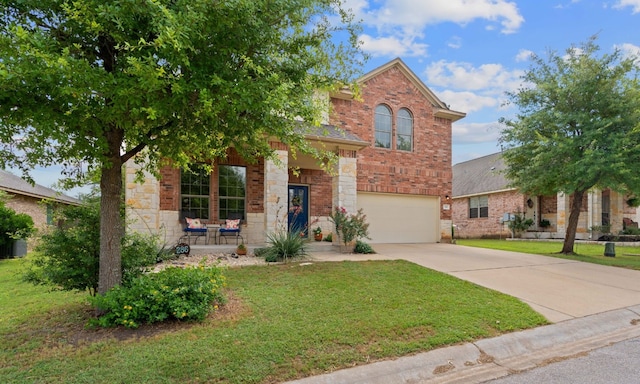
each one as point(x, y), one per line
point(276, 184)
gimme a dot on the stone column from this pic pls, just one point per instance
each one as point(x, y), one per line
point(595, 210)
point(344, 184)
point(617, 212)
point(142, 201)
point(276, 189)
point(563, 214)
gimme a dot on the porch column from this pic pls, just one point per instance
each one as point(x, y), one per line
point(563, 214)
point(344, 182)
point(595, 210)
point(142, 201)
point(617, 211)
point(276, 183)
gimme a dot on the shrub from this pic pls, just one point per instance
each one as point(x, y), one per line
point(284, 245)
point(68, 257)
point(349, 227)
point(185, 294)
point(519, 224)
point(362, 247)
point(12, 225)
point(329, 237)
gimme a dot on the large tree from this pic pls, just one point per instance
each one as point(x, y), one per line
point(577, 127)
point(96, 82)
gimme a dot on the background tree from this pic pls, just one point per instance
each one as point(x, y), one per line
point(96, 82)
point(576, 129)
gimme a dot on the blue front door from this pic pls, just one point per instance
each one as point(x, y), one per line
point(298, 209)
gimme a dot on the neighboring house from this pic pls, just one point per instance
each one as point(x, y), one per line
point(482, 200)
point(27, 198)
point(394, 148)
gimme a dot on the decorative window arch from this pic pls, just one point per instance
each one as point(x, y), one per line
point(404, 130)
point(383, 125)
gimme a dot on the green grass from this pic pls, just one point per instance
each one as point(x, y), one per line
point(282, 322)
point(627, 256)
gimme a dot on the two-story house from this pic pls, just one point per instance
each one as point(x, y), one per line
point(394, 149)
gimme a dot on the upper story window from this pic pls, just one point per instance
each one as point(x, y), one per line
point(232, 190)
point(478, 207)
point(383, 126)
point(404, 130)
point(195, 190)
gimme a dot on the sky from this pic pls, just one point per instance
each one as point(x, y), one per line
point(470, 52)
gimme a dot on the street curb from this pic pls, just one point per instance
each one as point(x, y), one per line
point(488, 359)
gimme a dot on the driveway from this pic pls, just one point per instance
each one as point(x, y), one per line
point(556, 288)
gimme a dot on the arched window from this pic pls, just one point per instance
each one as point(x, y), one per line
point(404, 130)
point(383, 126)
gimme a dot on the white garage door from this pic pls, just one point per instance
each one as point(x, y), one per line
point(401, 218)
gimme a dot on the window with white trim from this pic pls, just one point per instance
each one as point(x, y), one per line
point(404, 130)
point(194, 191)
point(232, 191)
point(383, 126)
point(478, 207)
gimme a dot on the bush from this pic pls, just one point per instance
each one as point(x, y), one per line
point(328, 238)
point(13, 225)
point(284, 245)
point(185, 294)
point(68, 257)
point(349, 227)
point(362, 247)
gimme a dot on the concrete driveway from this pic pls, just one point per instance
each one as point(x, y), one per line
point(556, 288)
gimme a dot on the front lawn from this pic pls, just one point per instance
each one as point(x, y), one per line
point(627, 256)
point(281, 322)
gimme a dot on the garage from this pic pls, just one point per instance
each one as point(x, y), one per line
point(396, 218)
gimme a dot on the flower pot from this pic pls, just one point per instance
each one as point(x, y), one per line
point(317, 237)
point(241, 251)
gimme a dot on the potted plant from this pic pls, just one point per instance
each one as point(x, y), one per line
point(317, 234)
point(544, 224)
point(241, 249)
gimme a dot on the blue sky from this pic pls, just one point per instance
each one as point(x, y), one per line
point(469, 52)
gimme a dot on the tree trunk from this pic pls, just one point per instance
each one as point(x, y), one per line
point(111, 222)
point(572, 224)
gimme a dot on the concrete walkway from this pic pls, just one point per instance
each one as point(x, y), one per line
point(591, 306)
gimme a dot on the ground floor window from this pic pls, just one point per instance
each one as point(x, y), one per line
point(232, 191)
point(195, 187)
point(478, 207)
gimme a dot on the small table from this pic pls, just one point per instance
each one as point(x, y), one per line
point(213, 229)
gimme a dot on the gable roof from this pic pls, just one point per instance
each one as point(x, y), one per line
point(480, 176)
point(440, 108)
point(18, 186)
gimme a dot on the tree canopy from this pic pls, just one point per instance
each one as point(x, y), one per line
point(577, 127)
point(96, 82)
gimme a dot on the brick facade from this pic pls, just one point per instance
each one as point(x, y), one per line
point(426, 170)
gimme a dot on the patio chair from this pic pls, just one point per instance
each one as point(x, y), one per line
point(232, 228)
point(192, 227)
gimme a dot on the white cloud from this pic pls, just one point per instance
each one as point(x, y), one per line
point(475, 133)
point(392, 46)
point(493, 78)
point(635, 4)
point(455, 42)
point(467, 101)
point(416, 14)
point(403, 21)
point(630, 50)
point(524, 55)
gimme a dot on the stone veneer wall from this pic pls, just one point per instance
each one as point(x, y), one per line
point(276, 185)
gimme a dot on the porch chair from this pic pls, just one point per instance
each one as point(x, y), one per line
point(192, 227)
point(232, 228)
